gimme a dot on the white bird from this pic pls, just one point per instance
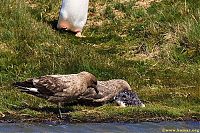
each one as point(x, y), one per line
point(117, 89)
point(73, 15)
point(59, 88)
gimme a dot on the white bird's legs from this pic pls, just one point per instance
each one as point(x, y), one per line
point(63, 24)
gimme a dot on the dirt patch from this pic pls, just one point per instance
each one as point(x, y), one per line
point(145, 3)
point(5, 48)
point(96, 12)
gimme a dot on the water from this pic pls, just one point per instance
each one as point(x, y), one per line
point(144, 127)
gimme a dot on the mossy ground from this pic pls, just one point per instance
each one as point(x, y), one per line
point(155, 46)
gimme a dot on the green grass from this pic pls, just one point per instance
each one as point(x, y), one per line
point(156, 49)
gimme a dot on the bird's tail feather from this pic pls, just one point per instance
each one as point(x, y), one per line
point(29, 88)
point(25, 84)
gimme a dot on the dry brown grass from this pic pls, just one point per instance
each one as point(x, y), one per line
point(145, 3)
